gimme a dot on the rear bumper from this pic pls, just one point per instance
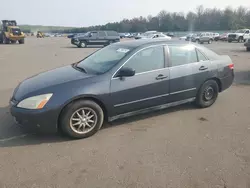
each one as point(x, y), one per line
point(227, 81)
point(39, 120)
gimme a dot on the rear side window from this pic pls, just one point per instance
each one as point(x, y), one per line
point(112, 33)
point(101, 33)
point(181, 55)
point(200, 56)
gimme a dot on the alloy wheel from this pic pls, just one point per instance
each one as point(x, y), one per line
point(83, 120)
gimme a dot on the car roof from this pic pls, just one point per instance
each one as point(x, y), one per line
point(148, 42)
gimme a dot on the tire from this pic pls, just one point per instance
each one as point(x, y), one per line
point(229, 41)
point(21, 41)
point(69, 113)
point(248, 49)
point(204, 99)
point(210, 41)
point(82, 44)
point(240, 39)
point(5, 40)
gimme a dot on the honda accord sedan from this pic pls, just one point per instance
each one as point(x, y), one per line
point(120, 80)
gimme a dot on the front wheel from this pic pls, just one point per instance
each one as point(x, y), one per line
point(248, 49)
point(210, 41)
point(21, 41)
point(207, 94)
point(240, 39)
point(81, 119)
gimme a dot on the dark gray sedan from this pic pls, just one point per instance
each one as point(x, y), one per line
point(118, 81)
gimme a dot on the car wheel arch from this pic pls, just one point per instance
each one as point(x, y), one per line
point(215, 79)
point(91, 98)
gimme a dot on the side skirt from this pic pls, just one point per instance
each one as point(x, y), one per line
point(154, 108)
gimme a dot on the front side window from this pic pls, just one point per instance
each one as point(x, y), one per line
point(93, 34)
point(147, 60)
point(104, 59)
point(181, 55)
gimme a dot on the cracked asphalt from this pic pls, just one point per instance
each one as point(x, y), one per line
point(181, 147)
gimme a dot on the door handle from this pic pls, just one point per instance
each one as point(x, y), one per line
point(160, 77)
point(203, 68)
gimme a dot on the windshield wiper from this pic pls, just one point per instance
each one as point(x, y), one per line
point(79, 68)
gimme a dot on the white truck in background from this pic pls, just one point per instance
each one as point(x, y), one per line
point(240, 35)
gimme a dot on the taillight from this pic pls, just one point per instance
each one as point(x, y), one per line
point(231, 66)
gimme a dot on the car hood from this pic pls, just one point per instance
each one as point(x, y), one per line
point(47, 79)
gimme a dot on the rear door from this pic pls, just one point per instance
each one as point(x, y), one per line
point(102, 38)
point(189, 69)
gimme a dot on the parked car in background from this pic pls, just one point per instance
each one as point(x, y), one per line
point(156, 35)
point(223, 37)
point(170, 34)
point(239, 35)
point(70, 36)
point(186, 37)
point(247, 44)
point(203, 37)
point(120, 80)
point(216, 36)
point(95, 38)
point(143, 35)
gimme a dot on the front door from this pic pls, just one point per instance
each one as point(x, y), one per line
point(93, 38)
point(148, 87)
point(189, 69)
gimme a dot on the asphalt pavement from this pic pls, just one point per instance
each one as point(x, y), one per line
point(180, 147)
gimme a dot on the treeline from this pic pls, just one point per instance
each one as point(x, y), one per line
point(202, 19)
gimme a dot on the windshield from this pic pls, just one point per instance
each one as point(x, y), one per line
point(240, 31)
point(104, 59)
point(15, 30)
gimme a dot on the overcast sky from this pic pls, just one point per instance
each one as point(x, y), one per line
point(93, 12)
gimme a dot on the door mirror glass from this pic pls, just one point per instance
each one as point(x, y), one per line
point(126, 72)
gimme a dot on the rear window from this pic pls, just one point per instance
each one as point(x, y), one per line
point(112, 33)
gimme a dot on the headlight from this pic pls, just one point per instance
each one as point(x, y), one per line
point(36, 102)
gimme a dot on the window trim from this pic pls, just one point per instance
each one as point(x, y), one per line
point(197, 50)
point(164, 54)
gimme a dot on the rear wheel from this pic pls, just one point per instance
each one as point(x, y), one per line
point(248, 49)
point(229, 41)
point(210, 41)
point(5, 40)
point(81, 119)
point(207, 94)
point(82, 44)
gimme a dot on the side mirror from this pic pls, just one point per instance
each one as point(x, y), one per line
point(125, 72)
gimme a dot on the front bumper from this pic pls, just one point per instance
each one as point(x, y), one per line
point(75, 41)
point(40, 120)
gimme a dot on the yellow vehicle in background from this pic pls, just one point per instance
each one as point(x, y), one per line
point(40, 34)
point(11, 33)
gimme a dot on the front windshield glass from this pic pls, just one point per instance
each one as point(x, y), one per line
point(104, 59)
point(240, 31)
point(15, 30)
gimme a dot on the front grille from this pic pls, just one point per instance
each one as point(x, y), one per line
point(232, 36)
